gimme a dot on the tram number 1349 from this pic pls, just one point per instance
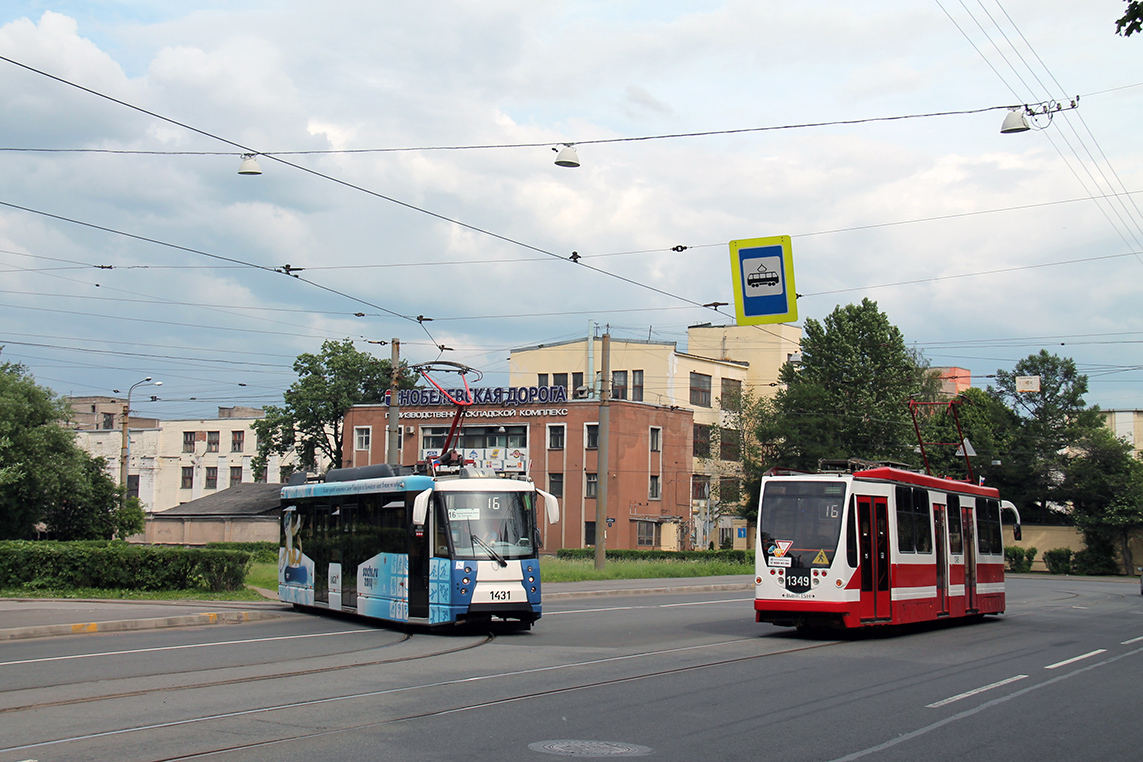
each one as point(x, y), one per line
point(506, 595)
point(798, 581)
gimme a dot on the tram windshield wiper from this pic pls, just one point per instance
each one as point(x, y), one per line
point(488, 549)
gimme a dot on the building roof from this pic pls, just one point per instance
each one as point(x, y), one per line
point(245, 499)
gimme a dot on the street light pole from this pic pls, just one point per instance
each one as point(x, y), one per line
point(125, 447)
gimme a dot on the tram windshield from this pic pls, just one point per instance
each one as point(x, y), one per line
point(489, 525)
point(802, 520)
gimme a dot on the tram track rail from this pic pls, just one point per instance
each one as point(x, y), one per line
point(486, 639)
point(430, 686)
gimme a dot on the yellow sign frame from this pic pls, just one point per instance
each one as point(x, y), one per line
point(771, 307)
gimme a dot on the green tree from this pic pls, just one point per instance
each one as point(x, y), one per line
point(44, 475)
point(846, 398)
point(309, 422)
point(1132, 20)
point(1104, 481)
point(1051, 419)
point(93, 508)
point(991, 429)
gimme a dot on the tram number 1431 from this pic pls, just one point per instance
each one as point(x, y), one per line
point(500, 595)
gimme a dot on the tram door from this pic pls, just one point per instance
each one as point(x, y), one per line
point(969, 559)
point(419, 554)
point(873, 547)
point(939, 518)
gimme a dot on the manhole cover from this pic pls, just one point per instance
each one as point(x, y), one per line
point(590, 748)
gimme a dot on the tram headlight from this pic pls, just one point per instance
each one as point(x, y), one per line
point(468, 570)
point(464, 581)
point(532, 579)
point(464, 591)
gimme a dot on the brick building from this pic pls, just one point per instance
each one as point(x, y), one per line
point(556, 442)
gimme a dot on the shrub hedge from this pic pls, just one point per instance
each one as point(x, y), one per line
point(1019, 559)
point(116, 565)
point(1058, 560)
point(263, 552)
point(745, 557)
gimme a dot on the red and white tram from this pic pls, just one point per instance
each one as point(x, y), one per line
point(880, 546)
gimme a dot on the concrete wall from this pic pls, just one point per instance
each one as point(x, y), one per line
point(199, 530)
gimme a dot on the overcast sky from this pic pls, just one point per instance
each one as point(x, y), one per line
point(153, 257)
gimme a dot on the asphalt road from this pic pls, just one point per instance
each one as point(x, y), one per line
point(673, 676)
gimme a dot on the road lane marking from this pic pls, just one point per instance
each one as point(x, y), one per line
point(707, 603)
point(177, 648)
point(973, 692)
point(1133, 640)
point(904, 737)
point(1074, 659)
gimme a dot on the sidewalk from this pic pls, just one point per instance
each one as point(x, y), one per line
point(22, 618)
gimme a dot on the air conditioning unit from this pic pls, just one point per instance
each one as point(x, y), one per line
point(410, 430)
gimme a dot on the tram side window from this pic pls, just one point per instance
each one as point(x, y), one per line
point(988, 538)
point(381, 526)
point(956, 543)
point(851, 534)
point(922, 521)
point(905, 542)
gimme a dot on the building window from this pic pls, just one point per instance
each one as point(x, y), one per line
point(702, 440)
point(560, 379)
point(212, 440)
point(188, 441)
point(212, 477)
point(730, 397)
point(656, 439)
point(591, 437)
point(592, 487)
point(541, 379)
point(556, 437)
point(649, 534)
point(237, 441)
point(730, 444)
point(655, 490)
point(577, 382)
point(636, 386)
point(108, 421)
point(589, 533)
point(556, 484)
point(729, 490)
point(235, 475)
point(700, 487)
point(362, 436)
point(133, 485)
point(188, 477)
point(619, 385)
point(700, 390)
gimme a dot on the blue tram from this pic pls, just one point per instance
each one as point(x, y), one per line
point(434, 550)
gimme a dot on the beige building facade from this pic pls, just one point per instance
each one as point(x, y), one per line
point(182, 460)
point(1127, 425)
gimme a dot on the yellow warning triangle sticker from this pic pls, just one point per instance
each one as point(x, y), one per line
point(821, 558)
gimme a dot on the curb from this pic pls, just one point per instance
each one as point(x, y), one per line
point(123, 625)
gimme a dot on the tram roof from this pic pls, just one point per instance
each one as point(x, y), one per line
point(924, 480)
point(405, 483)
point(901, 476)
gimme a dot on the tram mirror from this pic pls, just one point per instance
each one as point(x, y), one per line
point(1016, 533)
point(421, 507)
point(551, 506)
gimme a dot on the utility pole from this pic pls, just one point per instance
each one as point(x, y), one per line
point(125, 446)
point(603, 461)
point(394, 445)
